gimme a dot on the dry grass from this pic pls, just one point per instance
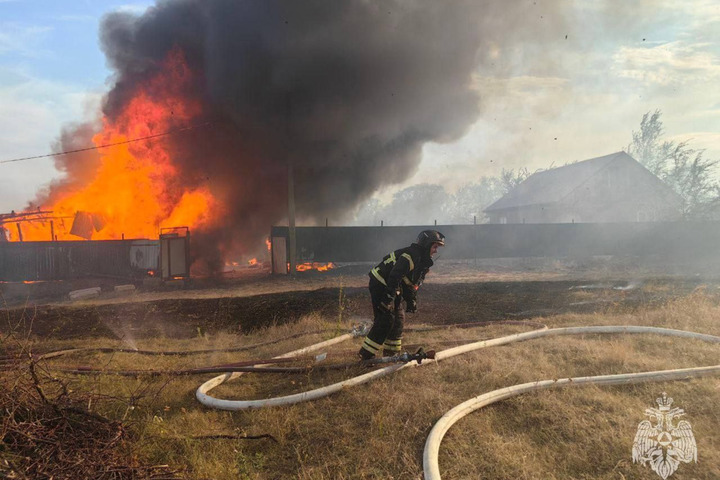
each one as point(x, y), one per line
point(378, 430)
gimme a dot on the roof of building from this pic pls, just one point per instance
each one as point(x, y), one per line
point(551, 186)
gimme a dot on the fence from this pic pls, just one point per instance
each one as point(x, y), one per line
point(669, 241)
point(675, 241)
point(29, 261)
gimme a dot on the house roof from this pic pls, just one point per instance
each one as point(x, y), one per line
point(551, 186)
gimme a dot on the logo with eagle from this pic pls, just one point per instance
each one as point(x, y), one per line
point(662, 444)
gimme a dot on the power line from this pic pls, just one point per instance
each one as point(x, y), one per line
point(97, 147)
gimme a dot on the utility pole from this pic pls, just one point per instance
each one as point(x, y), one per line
point(291, 187)
point(291, 218)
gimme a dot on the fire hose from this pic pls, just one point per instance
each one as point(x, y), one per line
point(202, 392)
point(37, 356)
point(67, 351)
point(251, 366)
point(222, 404)
point(434, 439)
point(432, 445)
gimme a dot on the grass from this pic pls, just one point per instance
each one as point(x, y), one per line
point(378, 430)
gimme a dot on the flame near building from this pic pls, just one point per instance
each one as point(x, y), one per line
point(226, 95)
point(134, 189)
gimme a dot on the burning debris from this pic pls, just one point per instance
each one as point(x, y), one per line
point(320, 267)
point(227, 95)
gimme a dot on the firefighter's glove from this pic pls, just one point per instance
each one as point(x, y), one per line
point(412, 306)
point(388, 303)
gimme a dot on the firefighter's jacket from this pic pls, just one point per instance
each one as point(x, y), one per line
point(403, 270)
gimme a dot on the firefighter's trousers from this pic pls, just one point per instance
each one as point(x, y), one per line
point(387, 329)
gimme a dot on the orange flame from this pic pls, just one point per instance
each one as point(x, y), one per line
point(252, 262)
point(135, 189)
point(320, 267)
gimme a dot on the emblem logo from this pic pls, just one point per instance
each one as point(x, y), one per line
point(662, 444)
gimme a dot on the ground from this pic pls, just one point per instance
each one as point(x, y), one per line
point(269, 315)
point(453, 293)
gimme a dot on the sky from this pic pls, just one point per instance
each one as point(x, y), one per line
point(571, 88)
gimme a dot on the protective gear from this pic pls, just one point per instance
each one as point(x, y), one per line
point(388, 303)
point(387, 325)
point(412, 306)
point(393, 284)
point(427, 237)
point(392, 346)
point(404, 267)
point(365, 355)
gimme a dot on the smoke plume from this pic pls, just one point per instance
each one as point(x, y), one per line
point(347, 92)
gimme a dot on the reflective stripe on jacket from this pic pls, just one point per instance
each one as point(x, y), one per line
point(405, 265)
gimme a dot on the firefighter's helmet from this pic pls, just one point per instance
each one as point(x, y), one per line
point(428, 237)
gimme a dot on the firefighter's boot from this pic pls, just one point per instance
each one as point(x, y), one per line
point(364, 355)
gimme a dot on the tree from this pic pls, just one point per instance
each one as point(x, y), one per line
point(418, 205)
point(683, 168)
point(690, 175)
point(469, 201)
point(509, 179)
point(424, 203)
point(368, 213)
point(646, 146)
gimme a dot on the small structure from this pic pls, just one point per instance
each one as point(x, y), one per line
point(175, 253)
point(612, 188)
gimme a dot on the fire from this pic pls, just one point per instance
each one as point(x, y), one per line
point(252, 262)
point(320, 267)
point(136, 189)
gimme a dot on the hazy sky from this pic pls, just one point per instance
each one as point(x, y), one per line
point(573, 86)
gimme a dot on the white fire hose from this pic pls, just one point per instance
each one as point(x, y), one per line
point(432, 445)
point(212, 402)
point(209, 401)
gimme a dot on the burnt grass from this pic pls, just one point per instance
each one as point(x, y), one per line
point(448, 303)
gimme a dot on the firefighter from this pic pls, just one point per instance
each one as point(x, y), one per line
point(393, 282)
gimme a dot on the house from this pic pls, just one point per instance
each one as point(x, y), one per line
point(612, 188)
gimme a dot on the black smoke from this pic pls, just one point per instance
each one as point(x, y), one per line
point(347, 91)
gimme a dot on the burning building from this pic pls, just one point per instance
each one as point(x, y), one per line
point(212, 101)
